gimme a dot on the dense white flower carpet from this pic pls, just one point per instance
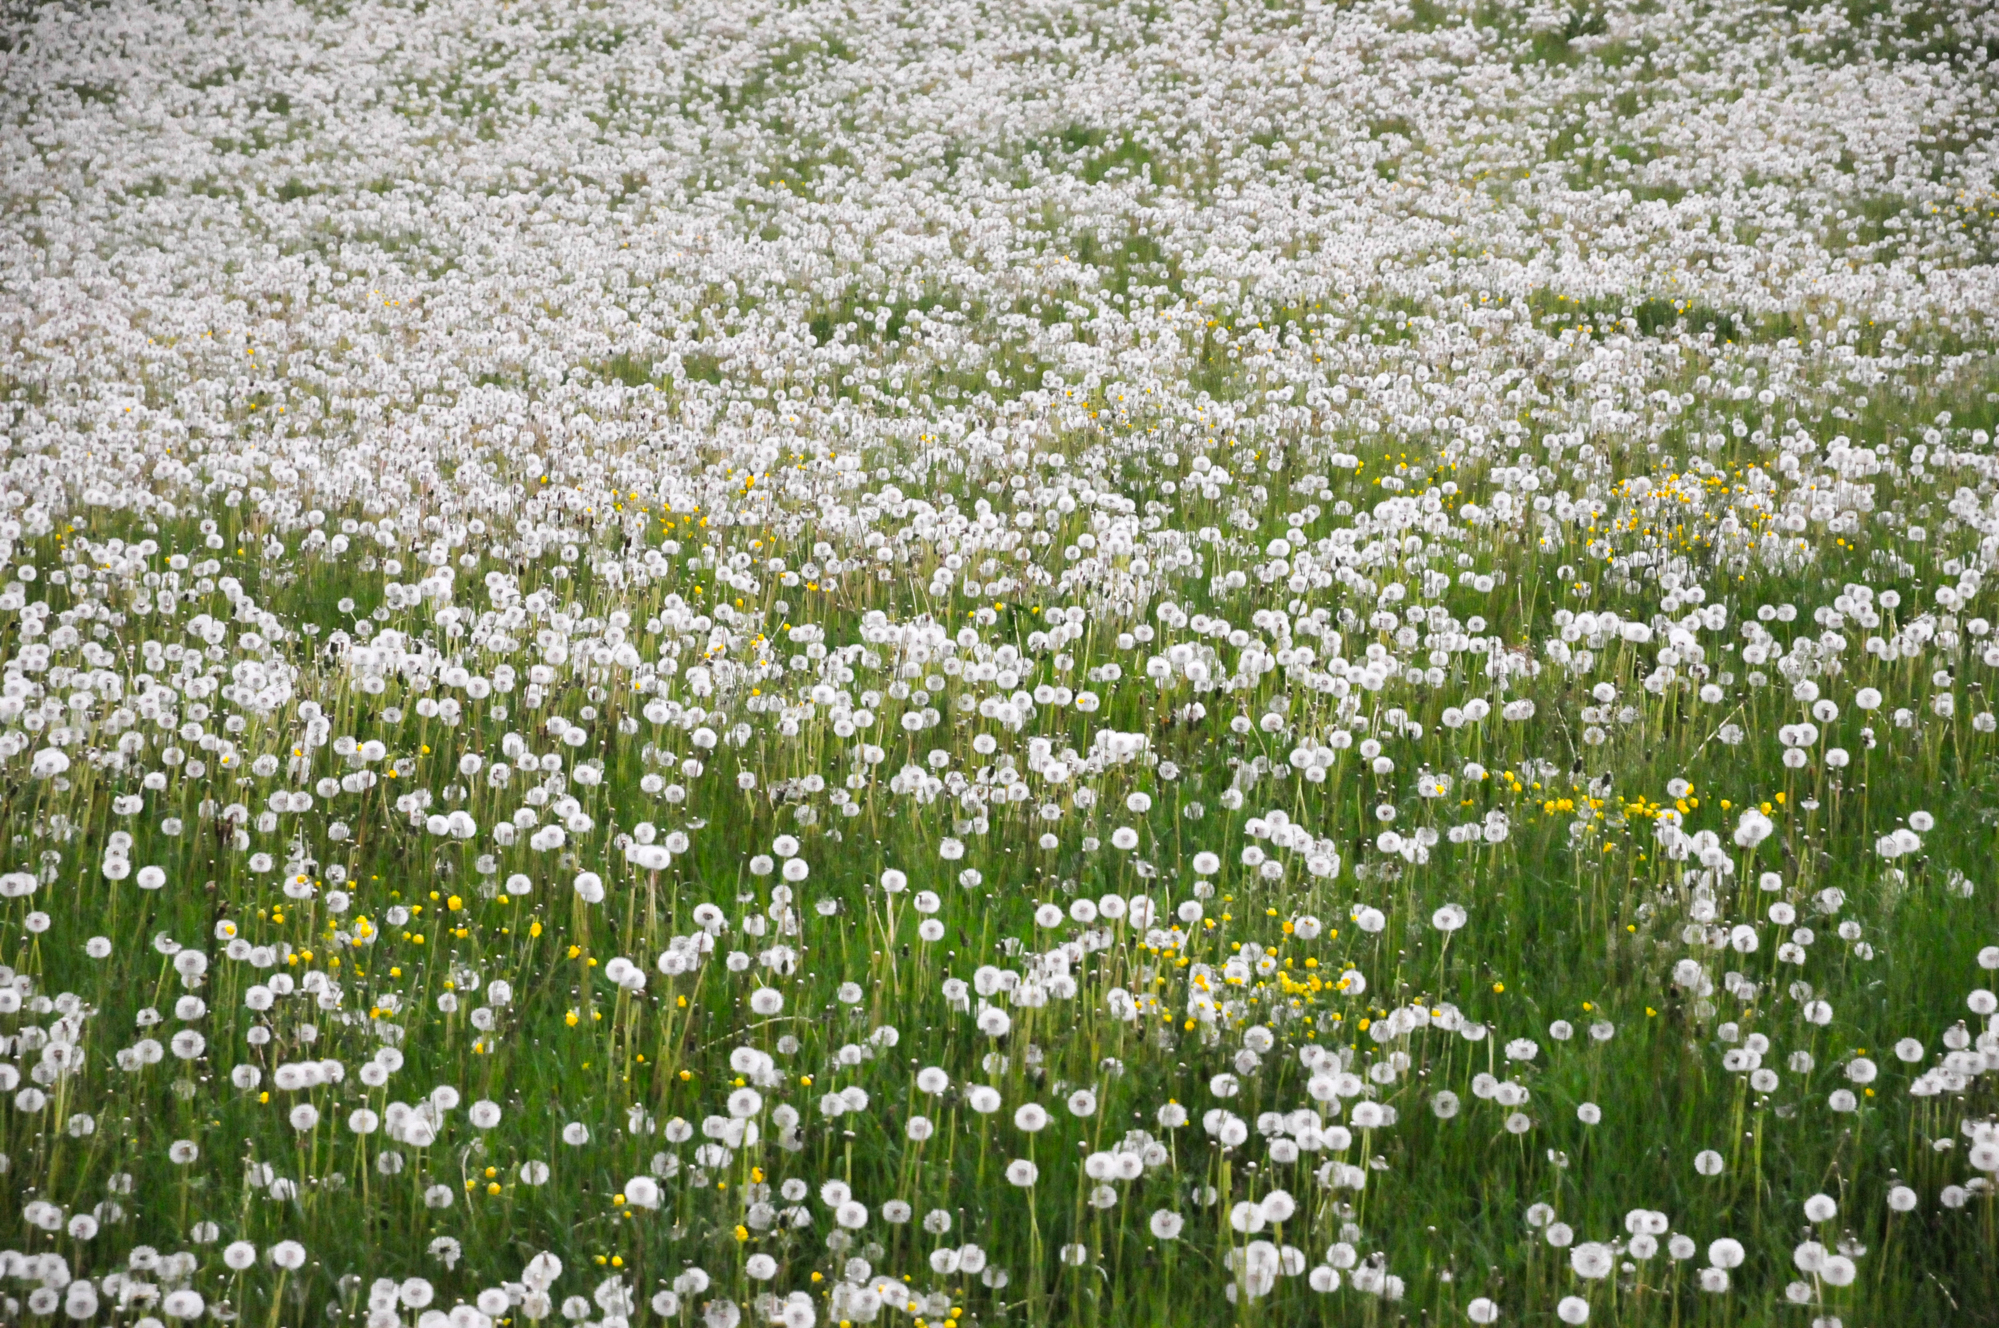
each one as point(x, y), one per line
point(1156, 661)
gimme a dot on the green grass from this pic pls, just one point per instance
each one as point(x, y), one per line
point(1560, 928)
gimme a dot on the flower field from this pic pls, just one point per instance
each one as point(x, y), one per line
point(1147, 662)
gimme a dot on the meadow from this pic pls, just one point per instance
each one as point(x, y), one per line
point(1152, 662)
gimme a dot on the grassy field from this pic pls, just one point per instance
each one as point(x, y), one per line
point(1134, 663)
